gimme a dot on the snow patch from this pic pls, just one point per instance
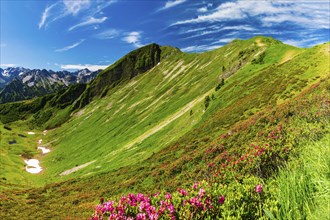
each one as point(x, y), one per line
point(32, 166)
point(6, 73)
point(44, 150)
point(27, 78)
point(30, 84)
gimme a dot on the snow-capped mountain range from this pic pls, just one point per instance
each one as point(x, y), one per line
point(18, 83)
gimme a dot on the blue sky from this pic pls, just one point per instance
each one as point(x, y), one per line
point(74, 34)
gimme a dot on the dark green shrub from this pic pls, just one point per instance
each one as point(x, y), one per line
point(207, 101)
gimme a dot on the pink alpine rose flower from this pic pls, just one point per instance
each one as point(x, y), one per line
point(168, 196)
point(221, 200)
point(171, 208)
point(201, 192)
point(182, 192)
point(195, 185)
point(141, 216)
point(259, 188)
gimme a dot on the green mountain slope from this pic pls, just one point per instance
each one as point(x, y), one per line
point(128, 131)
point(50, 114)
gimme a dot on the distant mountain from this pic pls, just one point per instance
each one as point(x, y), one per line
point(19, 83)
point(85, 75)
point(8, 74)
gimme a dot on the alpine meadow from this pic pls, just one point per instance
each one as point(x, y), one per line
point(236, 131)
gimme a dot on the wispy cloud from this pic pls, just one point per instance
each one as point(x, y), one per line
point(89, 21)
point(83, 66)
point(4, 65)
point(170, 4)
point(239, 27)
point(133, 38)
point(217, 29)
point(308, 42)
point(206, 47)
point(3, 45)
point(45, 15)
point(202, 10)
point(201, 48)
point(74, 7)
point(70, 46)
point(191, 30)
point(296, 43)
point(310, 14)
point(226, 11)
point(86, 9)
point(224, 40)
point(108, 34)
point(62, 9)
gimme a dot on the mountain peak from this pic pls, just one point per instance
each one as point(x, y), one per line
point(260, 41)
point(264, 40)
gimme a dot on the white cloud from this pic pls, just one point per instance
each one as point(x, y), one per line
point(170, 4)
point(296, 43)
point(218, 29)
point(239, 27)
point(201, 48)
point(3, 65)
point(225, 40)
point(107, 34)
point(214, 45)
point(88, 9)
point(89, 21)
point(45, 15)
point(133, 38)
point(186, 31)
point(83, 66)
point(202, 10)
point(279, 18)
point(226, 11)
point(74, 7)
point(70, 46)
point(303, 42)
point(312, 14)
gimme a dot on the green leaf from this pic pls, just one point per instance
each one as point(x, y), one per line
point(269, 214)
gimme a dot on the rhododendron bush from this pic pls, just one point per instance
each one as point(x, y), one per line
point(201, 201)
